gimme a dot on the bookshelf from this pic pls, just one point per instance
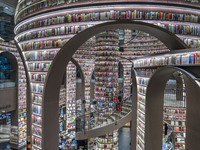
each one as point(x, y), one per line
point(43, 28)
point(184, 58)
point(176, 117)
point(127, 64)
point(106, 81)
point(71, 96)
point(142, 82)
point(19, 130)
point(45, 6)
point(85, 57)
point(108, 141)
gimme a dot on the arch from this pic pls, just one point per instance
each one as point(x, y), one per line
point(154, 109)
point(82, 94)
point(50, 98)
point(13, 63)
point(11, 94)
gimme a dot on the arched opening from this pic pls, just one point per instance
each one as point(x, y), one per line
point(70, 103)
point(174, 112)
point(8, 94)
point(51, 94)
point(155, 99)
point(8, 70)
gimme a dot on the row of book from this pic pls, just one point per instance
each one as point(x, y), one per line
point(106, 48)
point(141, 89)
point(145, 72)
point(177, 123)
point(24, 3)
point(107, 53)
point(142, 81)
point(103, 63)
point(105, 89)
point(37, 131)
point(37, 99)
point(37, 142)
point(64, 30)
point(140, 145)
point(140, 125)
point(181, 28)
point(141, 107)
point(114, 15)
point(107, 74)
point(39, 66)
point(194, 43)
point(141, 116)
point(37, 88)
point(36, 120)
point(71, 95)
point(174, 117)
point(40, 55)
point(173, 59)
point(175, 110)
point(143, 41)
point(140, 133)
point(44, 44)
point(38, 77)
point(24, 6)
point(146, 47)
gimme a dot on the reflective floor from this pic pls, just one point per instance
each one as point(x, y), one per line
point(124, 138)
point(5, 137)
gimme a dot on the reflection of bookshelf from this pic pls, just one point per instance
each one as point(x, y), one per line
point(176, 117)
point(62, 109)
point(85, 57)
point(143, 44)
point(106, 81)
point(71, 96)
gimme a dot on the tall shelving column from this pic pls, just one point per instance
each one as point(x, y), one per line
point(22, 111)
point(70, 101)
point(142, 44)
point(38, 56)
point(85, 57)
point(62, 110)
point(127, 64)
point(143, 76)
point(106, 82)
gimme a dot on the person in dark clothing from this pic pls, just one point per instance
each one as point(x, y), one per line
point(119, 104)
point(166, 128)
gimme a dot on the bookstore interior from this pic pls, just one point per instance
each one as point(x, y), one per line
point(99, 74)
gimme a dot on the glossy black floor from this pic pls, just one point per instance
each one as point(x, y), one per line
point(124, 138)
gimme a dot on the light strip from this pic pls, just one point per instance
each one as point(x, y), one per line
point(60, 25)
point(48, 38)
point(39, 50)
point(102, 7)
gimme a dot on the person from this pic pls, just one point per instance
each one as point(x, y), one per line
point(166, 128)
point(119, 104)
